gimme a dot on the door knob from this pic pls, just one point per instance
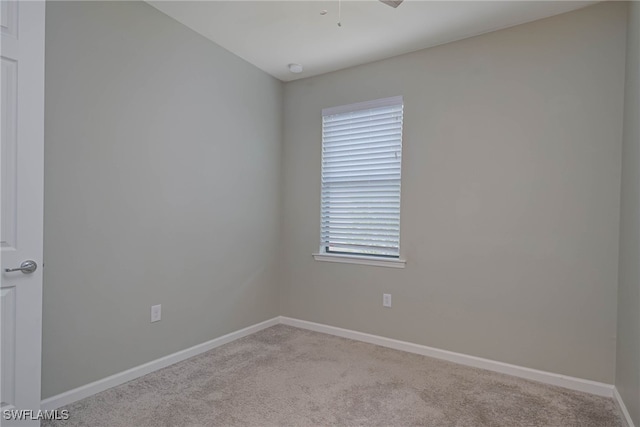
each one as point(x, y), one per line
point(27, 267)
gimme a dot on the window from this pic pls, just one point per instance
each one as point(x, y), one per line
point(361, 170)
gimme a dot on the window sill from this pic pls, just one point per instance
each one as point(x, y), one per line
point(361, 259)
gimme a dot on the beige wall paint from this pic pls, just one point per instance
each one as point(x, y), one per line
point(162, 187)
point(628, 351)
point(510, 196)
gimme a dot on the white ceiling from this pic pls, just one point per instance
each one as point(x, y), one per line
point(273, 34)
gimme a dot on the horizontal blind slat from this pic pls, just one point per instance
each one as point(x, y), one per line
point(363, 158)
point(333, 138)
point(378, 207)
point(358, 219)
point(340, 195)
point(346, 152)
point(386, 163)
point(361, 246)
point(339, 223)
point(357, 231)
point(359, 176)
point(359, 238)
point(363, 123)
point(391, 170)
point(360, 113)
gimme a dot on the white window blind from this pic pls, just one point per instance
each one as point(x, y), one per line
point(361, 170)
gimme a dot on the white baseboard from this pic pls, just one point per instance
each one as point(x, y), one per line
point(579, 384)
point(572, 383)
point(87, 390)
point(618, 399)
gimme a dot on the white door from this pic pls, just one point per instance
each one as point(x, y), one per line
point(22, 153)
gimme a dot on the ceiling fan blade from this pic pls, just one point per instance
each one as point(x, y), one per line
point(392, 3)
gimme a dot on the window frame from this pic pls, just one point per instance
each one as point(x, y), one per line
point(381, 260)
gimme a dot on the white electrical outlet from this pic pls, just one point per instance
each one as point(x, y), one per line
point(156, 312)
point(386, 300)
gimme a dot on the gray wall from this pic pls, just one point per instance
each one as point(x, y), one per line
point(628, 354)
point(162, 187)
point(510, 196)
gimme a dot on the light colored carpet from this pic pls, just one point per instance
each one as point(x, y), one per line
point(285, 376)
